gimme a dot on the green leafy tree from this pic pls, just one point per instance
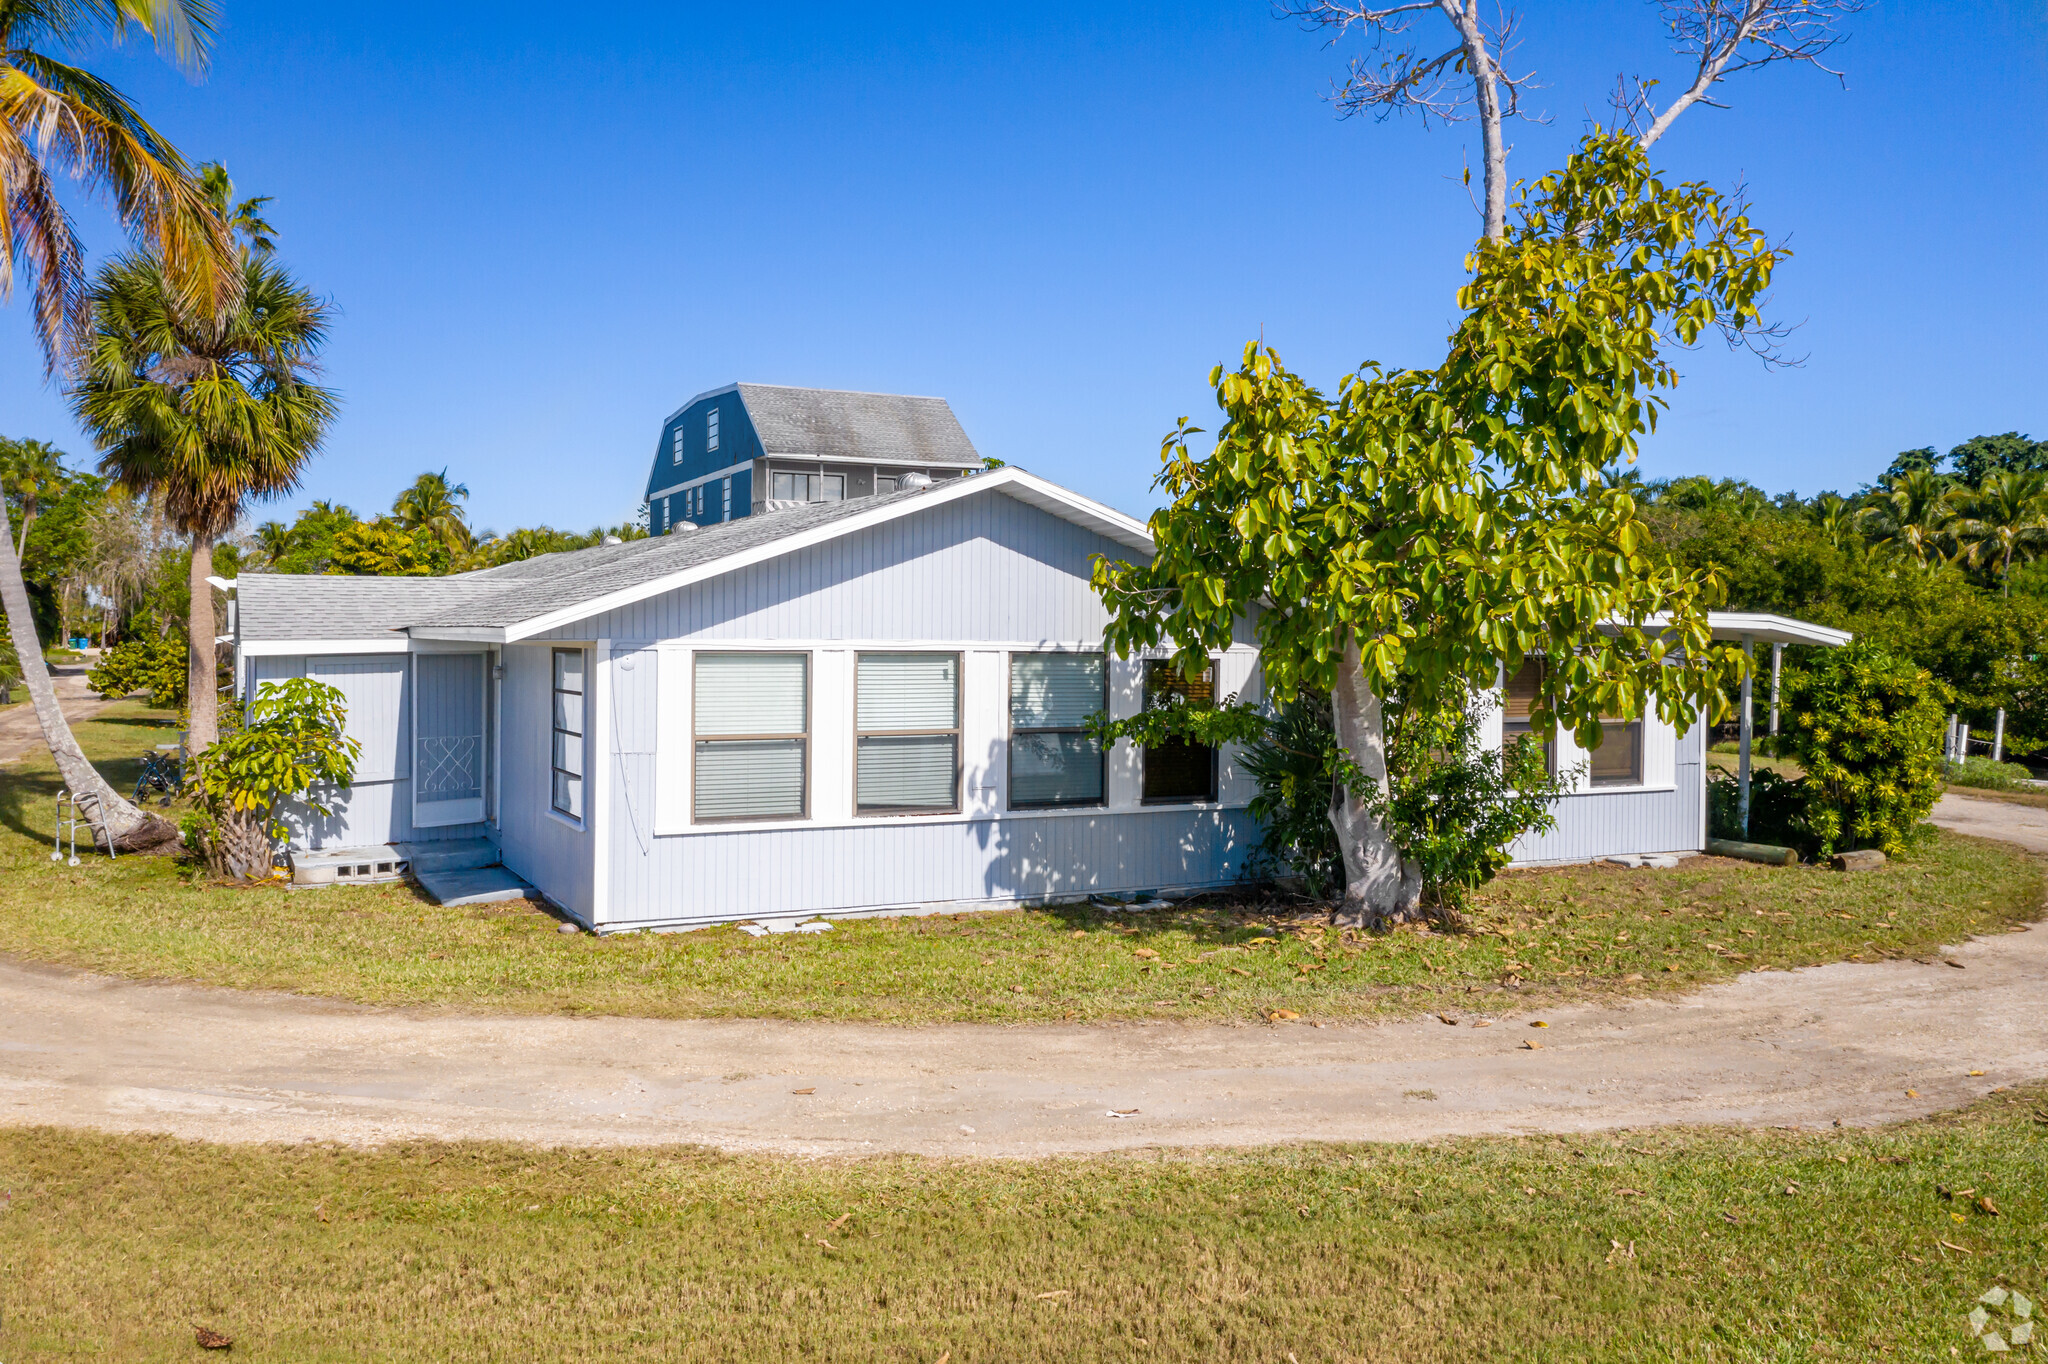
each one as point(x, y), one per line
point(1925, 460)
point(386, 549)
point(1982, 457)
point(206, 409)
point(58, 120)
point(434, 505)
point(151, 663)
point(1426, 528)
point(1910, 514)
point(291, 748)
point(1866, 725)
point(307, 545)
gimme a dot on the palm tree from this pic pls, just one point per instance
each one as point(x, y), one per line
point(58, 120)
point(433, 503)
point(1911, 514)
point(2006, 516)
point(273, 542)
point(206, 410)
point(30, 469)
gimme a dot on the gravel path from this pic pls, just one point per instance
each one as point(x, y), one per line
point(1835, 1043)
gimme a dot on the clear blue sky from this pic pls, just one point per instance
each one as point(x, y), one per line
point(544, 229)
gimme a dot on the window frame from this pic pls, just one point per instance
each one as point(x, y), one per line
point(810, 702)
point(581, 736)
point(1639, 774)
point(959, 710)
point(1215, 757)
point(1509, 728)
point(676, 445)
point(1011, 732)
point(711, 428)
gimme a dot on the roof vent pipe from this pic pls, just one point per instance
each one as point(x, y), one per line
point(913, 481)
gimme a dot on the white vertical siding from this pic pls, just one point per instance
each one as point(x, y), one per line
point(547, 850)
point(1607, 823)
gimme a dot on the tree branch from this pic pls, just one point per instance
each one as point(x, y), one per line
point(1727, 36)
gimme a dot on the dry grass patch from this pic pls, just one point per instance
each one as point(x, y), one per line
point(1540, 935)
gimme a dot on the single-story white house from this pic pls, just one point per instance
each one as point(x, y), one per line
point(849, 707)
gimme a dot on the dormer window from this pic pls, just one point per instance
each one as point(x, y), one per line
point(711, 429)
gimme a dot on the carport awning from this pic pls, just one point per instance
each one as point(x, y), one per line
point(1761, 627)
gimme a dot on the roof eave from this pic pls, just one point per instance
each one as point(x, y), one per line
point(1026, 488)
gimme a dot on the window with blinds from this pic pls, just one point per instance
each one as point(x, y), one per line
point(907, 734)
point(1178, 770)
point(751, 736)
point(1053, 760)
point(1518, 701)
point(567, 760)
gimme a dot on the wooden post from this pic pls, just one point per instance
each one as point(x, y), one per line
point(1748, 732)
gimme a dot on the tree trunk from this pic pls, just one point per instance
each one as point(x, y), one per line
point(239, 847)
point(202, 694)
point(1381, 886)
point(1486, 94)
point(115, 820)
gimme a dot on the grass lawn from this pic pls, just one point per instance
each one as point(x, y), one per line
point(1544, 935)
point(1667, 1244)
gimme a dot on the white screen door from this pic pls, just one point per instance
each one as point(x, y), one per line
point(448, 739)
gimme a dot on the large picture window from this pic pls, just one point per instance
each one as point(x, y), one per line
point(808, 487)
point(907, 741)
point(751, 736)
point(567, 759)
point(1179, 769)
point(1053, 760)
point(1521, 692)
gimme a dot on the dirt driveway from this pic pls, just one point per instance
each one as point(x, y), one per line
point(20, 734)
point(1836, 1043)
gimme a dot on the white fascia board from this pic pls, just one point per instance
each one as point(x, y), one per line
point(458, 634)
point(1762, 627)
point(707, 393)
point(224, 584)
point(272, 648)
point(1026, 488)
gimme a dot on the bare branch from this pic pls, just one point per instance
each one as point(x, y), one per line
point(1724, 37)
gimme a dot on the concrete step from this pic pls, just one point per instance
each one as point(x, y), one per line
point(449, 854)
point(330, 866)
point(473, 886)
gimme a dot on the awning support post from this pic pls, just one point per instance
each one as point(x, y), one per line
point(1777, 665)
point(1748, 732)
point(1998, 737)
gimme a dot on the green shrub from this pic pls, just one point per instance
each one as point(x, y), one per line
point(1293, 763)
point(143, 663)
point(1987, 775)
point(290, 742)
point(1866, 725)
point(1777, 810)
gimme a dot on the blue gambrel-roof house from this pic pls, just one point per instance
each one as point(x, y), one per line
point(748, 448)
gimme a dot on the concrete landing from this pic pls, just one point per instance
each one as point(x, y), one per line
point(448, 854)
point(473, 886)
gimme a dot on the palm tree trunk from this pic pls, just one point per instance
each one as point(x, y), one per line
point(202, 695)
point(120, 824)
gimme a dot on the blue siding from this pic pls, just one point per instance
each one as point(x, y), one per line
point(979, 568)
point(1610, 823)
point(737, 444)
point(548, 851)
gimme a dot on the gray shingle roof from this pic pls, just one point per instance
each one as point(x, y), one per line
point(825, 423)
point(586, 574)
point(286, 606)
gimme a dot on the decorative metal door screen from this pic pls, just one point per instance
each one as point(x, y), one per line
point(448, 739)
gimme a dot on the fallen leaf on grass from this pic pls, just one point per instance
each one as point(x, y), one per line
point(1080, 932)
point(812, 1090)
point(320, 1210)
point(826, 1244)
point(1631, 976)
point(1056, 1293)
point(1145, 952)
point(1976, 1072)
point(1912, 1093)
point(1987, 1205)
point(211, 1340)
point(838, 1222)
point(1950, 1245)
point(1731, 1219)
point(1446, 1018)
point(1482, 1023)
point(1239, 970)
point(1280, 1015)
point(1538, 1023)
point(1629, 1193)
